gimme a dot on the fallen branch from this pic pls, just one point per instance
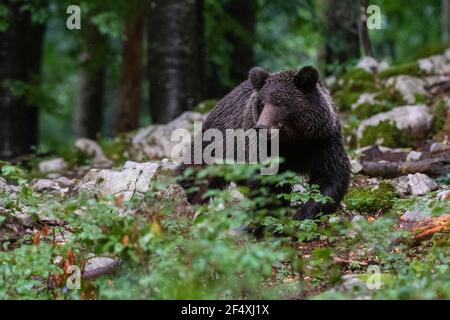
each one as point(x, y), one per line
point(431, 167)
point(425, 229)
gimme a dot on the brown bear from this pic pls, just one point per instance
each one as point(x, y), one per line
point(310, 140)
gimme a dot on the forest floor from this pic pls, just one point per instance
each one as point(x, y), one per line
point(111, 215)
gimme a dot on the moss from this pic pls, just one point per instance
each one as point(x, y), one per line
point(345, 99)
point(431, 49)
point(205, 106)
point(358, 74)
point(392, 137)
point(115, 148)
point(368, 200)
point(353, 84)
point(367, 110)
point(439, 111)
point(409, 68)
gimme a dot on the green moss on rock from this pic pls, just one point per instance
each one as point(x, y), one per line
point(368, 200)
point(366, 110)
point(388, 132)
point(439, 111)
point(410, 68)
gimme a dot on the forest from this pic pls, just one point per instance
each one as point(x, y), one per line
point(92, 207)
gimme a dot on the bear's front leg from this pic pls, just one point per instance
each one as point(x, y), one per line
point(333, 179)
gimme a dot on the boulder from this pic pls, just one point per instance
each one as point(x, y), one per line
point(134, 178)
point(410, 121)
point(371, 65)
point(93, 151)
point(420, 184)
point(59, 185)
point(414, 156)
point(408, 86)
point(356, 166)
point(154, 142)
point(437, 64)
point(52, 165)
point(365, 98)
point(98, 266)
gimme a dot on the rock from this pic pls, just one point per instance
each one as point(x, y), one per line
point(99, 266)
point(416, 120)
point(435, 80)
point(371, 65)
point(52, 165)
point(414, 156)
point(60, 185)
point(134, 178)
point(420, 184)
point(24, 219)
point(154, 141)
point(437, 64)
point(408, 87)
point(443, 195)
point(3, 183)
point(402, 185)
point(7, 188)
point(42, 184)
point(414, 215)
point(438, 147)
point(63, 181)
point(92, 150)
point(365, 98)
point(356, 166)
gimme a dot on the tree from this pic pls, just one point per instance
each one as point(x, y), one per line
point(89, 109)
point(174, 57)
point(230, 44)
point(131, 82)
point(241, 38)
point(363, 30)
point(20, 64)
point(445, 21)
point(342, 37)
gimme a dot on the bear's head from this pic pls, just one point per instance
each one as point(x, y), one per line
point(294, 102)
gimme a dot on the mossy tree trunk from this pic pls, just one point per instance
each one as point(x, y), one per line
point(20, 60)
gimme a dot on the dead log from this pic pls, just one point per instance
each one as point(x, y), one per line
point(431, 167)
point(426, 228)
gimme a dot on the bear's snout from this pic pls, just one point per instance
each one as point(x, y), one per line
point(268, 117)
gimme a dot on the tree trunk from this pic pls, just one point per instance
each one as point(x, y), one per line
point(174, 58)
point(445, 21)
point(89, 109)
point(244, 13)
point(20, 60)
point(241, 40)
point(342, 38)
point(131, 86)
point(363, 30)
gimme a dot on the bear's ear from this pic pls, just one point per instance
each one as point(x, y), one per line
point(258, 77)
point(306, 78)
